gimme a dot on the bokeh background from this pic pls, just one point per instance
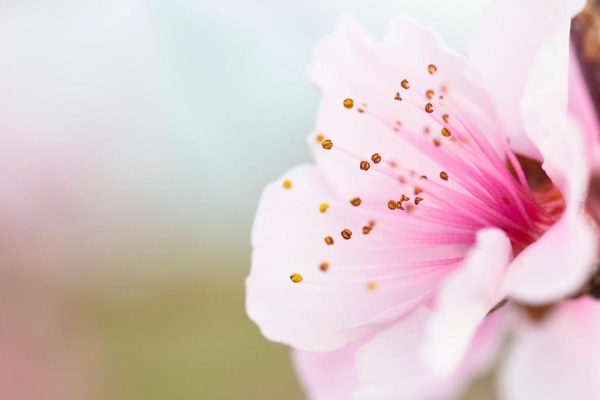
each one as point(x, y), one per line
point(137, 137)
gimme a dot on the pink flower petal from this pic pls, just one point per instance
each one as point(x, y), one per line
point(559, 262)
point(371, 279)
point(466, 298)
point(555, 266)
point(390, 365)
point(327, 375)
point(557, 359)
point(520, 51)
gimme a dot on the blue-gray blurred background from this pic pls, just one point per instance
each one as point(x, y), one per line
point(137, 138)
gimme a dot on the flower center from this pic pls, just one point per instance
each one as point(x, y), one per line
point(480, 182)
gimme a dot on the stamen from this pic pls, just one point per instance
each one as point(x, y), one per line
point(376, 158)
point(320, 137)
point(296, 277)
point(429, 108)
point(323, 207)
point(446, 132)
point(405, 84)
point(392, 204)
point(366, 230)
point(432, 69)
point(356, 201)
point(324, 266)
point(364, 165)
point(398, 97)
point(418, 200)
point(329, 240)
point(287, 184)
point(348, 104)
point(429, 94)
point(346, 234)
point(327, 144)
point(444, 176)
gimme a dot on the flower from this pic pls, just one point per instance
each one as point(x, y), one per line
point(443, 187)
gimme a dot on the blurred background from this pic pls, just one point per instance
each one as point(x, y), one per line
point(137, 137)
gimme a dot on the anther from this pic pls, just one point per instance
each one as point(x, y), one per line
point(418, 200)
point(348, 103)
point(346, 233)
point(392, 204)
point(324, 266)
point(432, 69)
point(398, 97)
point(429, 108)
point(327, 144)
point(323, 207)
point(329, 240)
point(404, 198)
point(446, 132)
point(287, 184)
point(366, 230)
point(372, 286)
point(376, 158)
point(356, 201)
point(371, 223)
point(320, 137)
point(444, 175)
point(405, 84)
point(446, 118)
point(418, 190)
point(296, 278)
point(429, 93)
point(399, 206)
point(436, 142)
point(364, 165)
